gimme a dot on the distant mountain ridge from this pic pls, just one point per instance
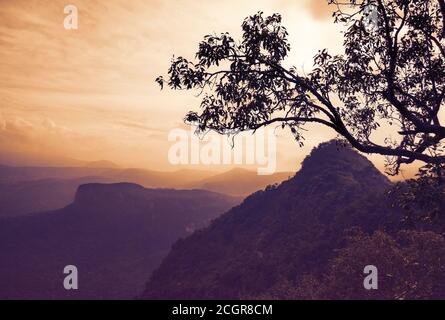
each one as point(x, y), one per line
point(101, 164)
point(19, 198)
point(240, 181)
point(279, 234)
point(25, 190)
point(248, 181)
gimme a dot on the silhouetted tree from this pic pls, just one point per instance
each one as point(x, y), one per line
point(392, 73)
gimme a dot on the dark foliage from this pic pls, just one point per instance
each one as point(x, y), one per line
point(410, 266)
point(422, 200)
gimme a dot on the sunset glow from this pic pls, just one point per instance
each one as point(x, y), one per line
point(89, 94)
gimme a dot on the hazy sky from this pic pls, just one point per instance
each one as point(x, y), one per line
point(90, 93)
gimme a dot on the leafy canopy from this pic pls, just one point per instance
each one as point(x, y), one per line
point(389, 75)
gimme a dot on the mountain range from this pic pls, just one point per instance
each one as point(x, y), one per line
point(280, 235)
point(115, 234)
point(25, 190)
point(308, 237)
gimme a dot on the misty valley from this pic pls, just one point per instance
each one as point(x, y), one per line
point(197, 244)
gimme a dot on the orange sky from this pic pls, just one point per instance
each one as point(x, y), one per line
point(90, 94)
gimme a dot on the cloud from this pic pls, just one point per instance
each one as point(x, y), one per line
point(91, 93)
point(18, 134)
point(16, 130)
